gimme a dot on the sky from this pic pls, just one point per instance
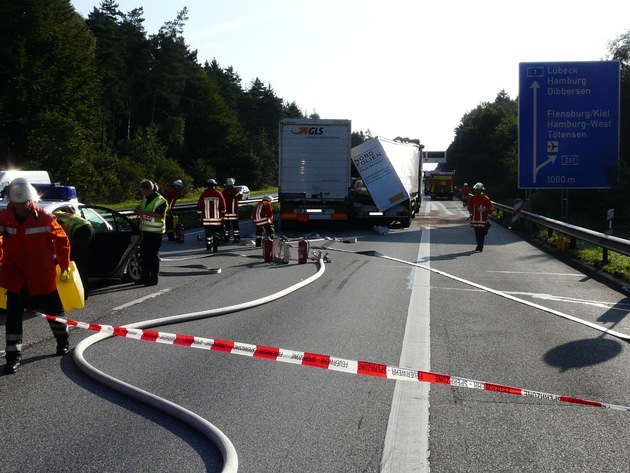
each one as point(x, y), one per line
point(409, 68)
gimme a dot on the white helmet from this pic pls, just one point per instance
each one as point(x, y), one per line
point(268, 198)
point(478, 186)
point(178, 183)
point(230, 181)
point(211, 183)
point(20, 191)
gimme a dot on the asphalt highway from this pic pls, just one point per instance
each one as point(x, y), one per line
point(411, 298)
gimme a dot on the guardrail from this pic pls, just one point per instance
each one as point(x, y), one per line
point(603, 240)
point(187, 207)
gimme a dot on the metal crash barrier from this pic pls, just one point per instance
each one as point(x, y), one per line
point(602, 240)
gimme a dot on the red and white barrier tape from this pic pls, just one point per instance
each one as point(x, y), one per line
point(316, 360)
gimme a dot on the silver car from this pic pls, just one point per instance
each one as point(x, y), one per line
point(243, 190)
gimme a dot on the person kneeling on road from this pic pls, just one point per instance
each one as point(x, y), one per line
point(262, 215)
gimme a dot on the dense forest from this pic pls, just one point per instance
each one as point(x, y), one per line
point(101, 104)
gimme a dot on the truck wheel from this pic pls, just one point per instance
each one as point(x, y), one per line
point(405, 222)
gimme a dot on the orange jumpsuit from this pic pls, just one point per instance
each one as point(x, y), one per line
point(262, 215)
point(210, 210)
point(232, 196)
point(28, 256)
point(479, 206)
point(29, 273)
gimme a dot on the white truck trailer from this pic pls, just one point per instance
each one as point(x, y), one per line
point(388, 191)
point(314, 170)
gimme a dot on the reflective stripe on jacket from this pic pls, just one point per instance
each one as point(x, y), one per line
point(479, 206)
point(153, 224)
point(232, 196)
point(262, 213)
point(29, 250)
point(211, 207)
point(70, 222)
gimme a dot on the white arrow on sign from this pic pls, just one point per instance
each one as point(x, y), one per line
point(534, 86)
point(551, 159)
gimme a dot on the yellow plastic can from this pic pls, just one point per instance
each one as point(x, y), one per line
point(70, 288)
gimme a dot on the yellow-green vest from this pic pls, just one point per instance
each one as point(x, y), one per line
point(70, 222)
point(153, 224)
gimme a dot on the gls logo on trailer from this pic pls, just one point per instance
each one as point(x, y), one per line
point(305, 130)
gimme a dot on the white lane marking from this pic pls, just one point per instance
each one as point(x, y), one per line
point(576, 275)
point(623, 307)
point(505, 295)
point(142, 299)
point(550, 297)
point(407, 438)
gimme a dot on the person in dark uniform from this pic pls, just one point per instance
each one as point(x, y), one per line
point(230, 220)
point(152, 213)
point(210, 212)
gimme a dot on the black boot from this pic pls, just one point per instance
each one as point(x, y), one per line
point(152, 281)
point(12, 365)
point(63, 346)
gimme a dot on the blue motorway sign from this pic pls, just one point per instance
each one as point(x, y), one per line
point(568, 125)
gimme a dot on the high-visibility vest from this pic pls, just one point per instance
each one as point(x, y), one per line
point(153, 224)
point(70, 222)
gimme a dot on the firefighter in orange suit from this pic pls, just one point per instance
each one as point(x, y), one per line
point(479, 205)
point(230, 221)
point(171, 195)
point(262, 215)
point(32, 238)
point(464, 193)
point(210, 211)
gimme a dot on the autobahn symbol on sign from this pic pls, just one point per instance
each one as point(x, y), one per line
point(568, 125)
